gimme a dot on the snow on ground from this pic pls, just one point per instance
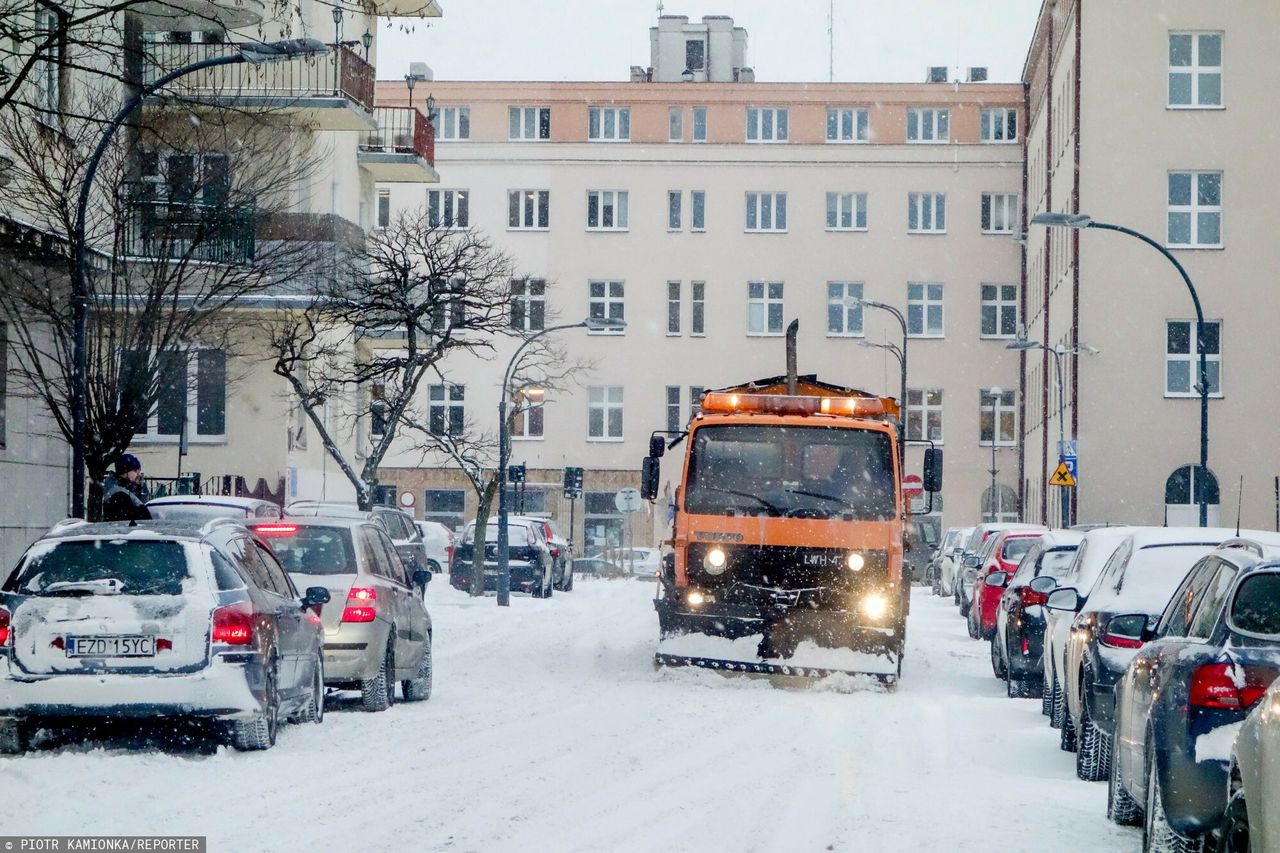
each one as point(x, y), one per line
point(550, 729)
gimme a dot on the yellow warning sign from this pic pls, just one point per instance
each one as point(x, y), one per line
point(1062, 477)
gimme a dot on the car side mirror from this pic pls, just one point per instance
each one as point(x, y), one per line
point(971, 561)
point(997, 579)
point(315, 597)
point(1044, 584)
point(1131, 627)
point(932, 470)
point(421, 577)
point(657, 446)
point(1065, 599)
point(649, 475)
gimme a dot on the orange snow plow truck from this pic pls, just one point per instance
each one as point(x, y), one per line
point(788, 532)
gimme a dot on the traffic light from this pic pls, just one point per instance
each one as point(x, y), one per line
point(572, 483)
point(515, 474)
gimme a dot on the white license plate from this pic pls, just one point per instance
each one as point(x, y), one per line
point(111, 647)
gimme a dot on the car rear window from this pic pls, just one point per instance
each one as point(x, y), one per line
point(194, 512)
point(311, 549)
point(1257, 605)
point(102, 567)
point(1015, 549)
point(1055, 563)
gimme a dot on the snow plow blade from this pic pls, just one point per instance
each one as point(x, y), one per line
point(807, 661)
point(767, 668)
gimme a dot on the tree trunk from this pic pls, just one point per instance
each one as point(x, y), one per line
point(478, 543)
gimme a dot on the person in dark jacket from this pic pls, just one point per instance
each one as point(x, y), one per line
point(122, 494)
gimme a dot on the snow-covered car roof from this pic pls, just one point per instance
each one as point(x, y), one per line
point(212, 500)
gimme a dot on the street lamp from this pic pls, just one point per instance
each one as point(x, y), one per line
point(1080, 221)
point(995, 394)
point(431, 110)
point(254, 53)
point(367, 41)
point(595, 324)
point(337, 24)
point(902, 321)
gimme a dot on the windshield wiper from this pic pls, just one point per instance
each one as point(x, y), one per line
point(104, 586)
point(766, 504)
point(808, 494)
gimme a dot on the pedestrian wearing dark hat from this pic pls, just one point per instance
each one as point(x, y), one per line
point(122, 495)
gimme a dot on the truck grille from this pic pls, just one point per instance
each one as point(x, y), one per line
point(786, 567)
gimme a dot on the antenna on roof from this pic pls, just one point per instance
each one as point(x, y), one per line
point(1239, 503)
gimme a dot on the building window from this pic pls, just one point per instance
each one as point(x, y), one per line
point(384, 208)
point(1182, 359)
point(844, 312)
point(445, 411)
point(695, 400)
point(924, 310)
point(928, 125)
point(609, 124)
point(1183, 492)
point(447, 506)
point(924, 414)
point(448, 305)
point(699, 124)
point(846, 125)
point(528, 210)
point(766, 211)
point(454, 123)
point(1195, 209)
point(528, 420)
point(673, 210)
point(529, 124)
point(1195, 69)
point(607, 210)
point(607, 301)
point(602, 524)
point(846, 211)
point(698, 211)
point(448, 208)
point(528, 304)
point(999, 310)
point(1005, 510)
point(1000, 124)
point(674, 396)
point(766, 124)
point(764, 308)
point(604, 412)
point(47, 71)
point(673, 308)
point(695, 54)
point(378, 410)
point(1001, 412)
point(698, 308)
point(999, 213)
point(675, 124)
point(192, 396)
point(927, 213)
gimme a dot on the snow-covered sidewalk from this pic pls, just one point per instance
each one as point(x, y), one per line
point(550, 729)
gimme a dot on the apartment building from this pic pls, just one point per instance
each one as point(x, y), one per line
point(708, 210)
point(1152, 117)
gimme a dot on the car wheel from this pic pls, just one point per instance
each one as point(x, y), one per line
point(972, 623)
point(15, 737)
point(1046, 695)
point(997, 666)
point(1157, 835)
point(965, 604)
point(1093, 757)
point(433, 567)
point(418, 688)
point(314, 710)
point(1122, 809)
point(1067, 732)
point(377, 693)
point(259, 732)
point(1235, 837)
point(1058, 708)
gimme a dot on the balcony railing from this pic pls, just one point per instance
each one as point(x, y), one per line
point(401, 130)
point(190, 230)
point(342, 73)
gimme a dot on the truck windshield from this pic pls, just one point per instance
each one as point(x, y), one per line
point(798, 472)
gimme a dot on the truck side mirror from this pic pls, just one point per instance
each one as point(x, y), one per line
point(657, 446)
point(649, 472)
point(932, 470)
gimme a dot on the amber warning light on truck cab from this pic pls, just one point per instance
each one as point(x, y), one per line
point(774, 404)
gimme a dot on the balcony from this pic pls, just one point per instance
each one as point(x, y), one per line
point(402, 148)
point(191, 231)
point(333, 92)
point(199, 14)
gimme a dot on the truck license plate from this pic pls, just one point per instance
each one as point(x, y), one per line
point(111, 647)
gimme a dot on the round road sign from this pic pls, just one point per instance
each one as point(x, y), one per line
point(406, 500)
point(912, 486)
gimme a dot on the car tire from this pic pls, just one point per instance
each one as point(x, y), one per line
point(259, 732)
point(1093, 755)
point(418, 688)
point(1067, 732)
point(15, 737)
point(1122, 809)
point(1046, 695)
point(433, 567)
point(313, 711)
point(1235, 835)
point(378, 693)
point(568, 580)
point(1057, 705)
point(973, 620)
point(1157, 835)
point(997, 666)
point(965, 604)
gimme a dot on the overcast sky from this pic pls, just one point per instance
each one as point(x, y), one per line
point(875, 40)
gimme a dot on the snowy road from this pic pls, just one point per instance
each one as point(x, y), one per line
point(551, 730)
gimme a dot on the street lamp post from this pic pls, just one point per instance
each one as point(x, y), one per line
point(504, 447)
point(995, 394)
point(902, 322)
point(80, 303)
point(1080, 221)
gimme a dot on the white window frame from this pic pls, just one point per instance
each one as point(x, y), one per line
point(675, 124)
point(674, 304)
point(697, 210)
point(1006, 407)
point(848, 125)
point(1000, 213)
point(764, 210)
point(47, 71)
point(530, 201)
point(1191, 358)
point(611, 303)
point(851, 316)
point(926, 213)
point(442, 400)
point(523, 293)
point(925, 405)
point(850, 206)
point(995, 125)
point(675, 212)
point(928, 307)
point(529, 125)
point(1194, 210)
point(447, 204)
point(675, 402)
point(194, 436)
point(383, 209)
point(771, 295)
point(1195, 70)
point(522, 426)
point(454, 124)
point(1002, 305)
point(609, 204)
point(698, 127)
point(608, 124)
point(937, 120)
point(767, 125)
point(605, 400)
point(697, 309)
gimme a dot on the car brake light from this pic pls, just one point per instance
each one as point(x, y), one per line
point(6, 629)
point(277, 529)
point(1117, 641)
point(358, 614)
point(1031, 598)
point(1026, 645)
point(233, 624)
point(164, 644)
point(1226, 685)
point(362, 593)
point(555, 552)
point(360, 607)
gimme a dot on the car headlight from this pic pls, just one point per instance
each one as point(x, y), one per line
point(715, 561)
point(875, 606)
point(855, 562)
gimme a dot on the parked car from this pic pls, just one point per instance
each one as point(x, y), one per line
point(1137, 582)
point(972, 558)
point(1017, 647)
point(528, 557)
point(561, 552)
point(158, 620)
point(947, 558)
point(1210, 658)
point(438, 542)
point(595, 567)
point(398, 524)
point(382, 634)
point(1007, 548)
point(1253, 807)
point(207, 507)
point(640, 562)
point(922, 540)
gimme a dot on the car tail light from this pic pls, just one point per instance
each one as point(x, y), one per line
point(1118, 641)
point(277, 529)
point(555, 552)
point(360, 606)
point(164, 644)
point(1026, 645)
point(1031, 598)
point(6, 628)
point(233, 624)
point(1226, 685)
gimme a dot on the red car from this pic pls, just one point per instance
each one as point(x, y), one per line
point(1002, 553)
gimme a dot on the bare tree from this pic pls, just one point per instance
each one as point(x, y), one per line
point(417, 293)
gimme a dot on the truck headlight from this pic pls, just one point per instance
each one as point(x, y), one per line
point(695, 598)
point(715, 561)
point(855, 562)
point(875, 606)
